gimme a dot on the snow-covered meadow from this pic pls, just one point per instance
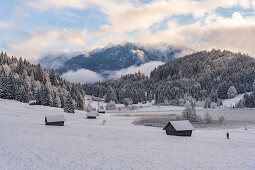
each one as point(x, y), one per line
point(26, 143)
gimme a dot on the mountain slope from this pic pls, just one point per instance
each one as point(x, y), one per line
point(56, 61)
point(117, 57)
point(205, 76)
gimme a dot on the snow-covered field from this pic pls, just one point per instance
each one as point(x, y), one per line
point(232, 102)
point(26, 143)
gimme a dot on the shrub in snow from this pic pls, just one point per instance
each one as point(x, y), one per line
point(127, 101)
point(133, 107)
point(103, 122)
point(208, 117)
point(111, 106)
point(213, 105)
point(231, 92)
point(221, 119)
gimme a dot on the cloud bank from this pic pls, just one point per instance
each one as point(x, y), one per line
point(197, 24)
point(82, 76)
point(88, 76)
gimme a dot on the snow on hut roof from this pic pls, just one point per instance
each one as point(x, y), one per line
point(91, 113)
point(55, 118)
point(181, 125)
point(32, 101)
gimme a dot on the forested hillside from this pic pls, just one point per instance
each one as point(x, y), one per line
point(23, 81)
point(205, 76)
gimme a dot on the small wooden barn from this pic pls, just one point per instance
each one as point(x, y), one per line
point(56, 120)
point(91, 115)
point(32, 102)
point(179, 128)
point(102, 111)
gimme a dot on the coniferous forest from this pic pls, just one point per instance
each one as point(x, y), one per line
point(205, 76)
point(23, 81)
point(208, 76)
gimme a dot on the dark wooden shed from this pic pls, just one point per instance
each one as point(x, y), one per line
point(55, 120)
point(32, 102)
point(91, 115)
point(179, 128)
point(102, 111)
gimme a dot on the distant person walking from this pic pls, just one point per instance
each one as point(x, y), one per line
point(227, 135)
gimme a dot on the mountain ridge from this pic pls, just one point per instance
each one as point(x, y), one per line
point(120, 56)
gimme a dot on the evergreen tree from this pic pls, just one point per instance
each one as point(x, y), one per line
point(69, 107)
point(56, 100)
point(53, 78)
point(38, 74)
point(10, 87)
point(46, 97)
point(110, 95)
point(80, 102)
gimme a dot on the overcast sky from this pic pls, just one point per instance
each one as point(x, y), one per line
point(32, 28)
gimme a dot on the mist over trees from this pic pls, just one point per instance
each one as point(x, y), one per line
point(23, 81)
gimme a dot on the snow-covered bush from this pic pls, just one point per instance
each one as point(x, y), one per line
point(103, 122)
point(89, 108)
point(111, 106)
point(127, 101)
point(213, 105)
point(231, 92)
point(189, 113)
point(208, 117)
point(133, 107)
point(221, 119)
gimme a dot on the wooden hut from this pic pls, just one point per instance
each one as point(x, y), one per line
point(32, 102)
point(179, 128)
point(56, 120)
point(102, 111)
point(91, 115)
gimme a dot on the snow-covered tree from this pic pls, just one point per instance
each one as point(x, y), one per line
point(111, 106)
point(127, 101)
point(56, 100)
point(80, 102)
point(110, 95)
point(69, 107)
point(189, 113)
point(253, 86)
point(208, 117)
point(231, 92)
point(46, 96)
point(221, 119)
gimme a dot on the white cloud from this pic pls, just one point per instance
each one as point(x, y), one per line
point(235, 34)
point(208, 31)
point(4, 25)
point(88, 76)
point(40, 43)
point(82, 76)
point(144, 68)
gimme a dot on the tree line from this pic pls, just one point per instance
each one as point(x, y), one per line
point(20, 80)
point(208, 76)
